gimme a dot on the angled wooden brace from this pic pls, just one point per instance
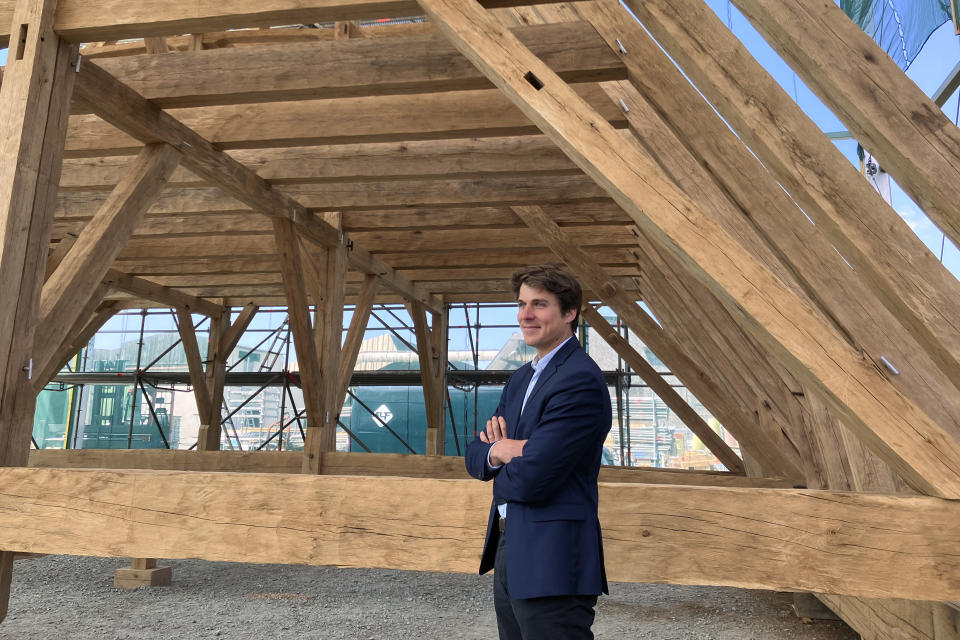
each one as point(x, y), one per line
point(432, 353)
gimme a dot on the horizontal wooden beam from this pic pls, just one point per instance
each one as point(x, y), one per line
point(371, 194)
point(460, 114)
point(452, 158)
point(423, 63)
point(97, 21)
point(867, 545)
point(137, 116)
point(351, 464)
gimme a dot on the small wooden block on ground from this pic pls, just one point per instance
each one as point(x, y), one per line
point(142, 572)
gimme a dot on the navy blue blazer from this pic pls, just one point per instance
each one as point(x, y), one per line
point(553, 533)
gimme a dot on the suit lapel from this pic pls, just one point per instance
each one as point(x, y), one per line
point(513, 411)
point(558, 359)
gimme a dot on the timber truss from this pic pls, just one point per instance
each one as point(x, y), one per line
point(421, 163)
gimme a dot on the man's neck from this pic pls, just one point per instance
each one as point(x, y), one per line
point(542, 352)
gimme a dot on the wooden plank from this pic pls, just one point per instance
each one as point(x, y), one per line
point(914, 140)
point(925, 453)
point(868, 545)
point(771, 456)
point(870, 235)
point(690, 418)
point(188, 338)
point(354, 338)
point(125, 108)
point(34, 99)
point(89, 21)
point(458, 157)
point(343, 463)
point(87, 262)
point(461, 114)
point(412, 64)
point(165, 296)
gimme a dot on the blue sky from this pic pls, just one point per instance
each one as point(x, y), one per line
point(937, 58)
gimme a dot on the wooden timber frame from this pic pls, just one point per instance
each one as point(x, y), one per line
point(174, 160)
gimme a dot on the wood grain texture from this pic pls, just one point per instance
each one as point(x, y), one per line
point(865, 545)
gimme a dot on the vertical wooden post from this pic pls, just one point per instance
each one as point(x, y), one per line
point(34, 101)
point(432, 351)
point(209, 436)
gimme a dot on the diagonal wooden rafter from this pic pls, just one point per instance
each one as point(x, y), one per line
point(102, 240)
point(924, 452)
point(887, 112)
point(127, 110)
point(191, 349)
point(664, 391)
point(354, 339)
point(167, 296)
point(870, 235)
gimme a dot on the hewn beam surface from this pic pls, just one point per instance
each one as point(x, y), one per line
point(869, 545)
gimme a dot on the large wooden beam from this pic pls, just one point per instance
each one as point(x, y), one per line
point(350, 464)
point(459, 157)
point(154, 292)
point(885, 110)
point(354, 338)
point(98, 245)
point(94, 21)
point(422, 63)
point(432, 354)
point(870, 235)
point(128, 110)
point(191, 350)
point(690, 418)
point(926, 453)
point(34, 102)
point(870, 545)
point(294, 269)
point(461, 114)
point(54, 354)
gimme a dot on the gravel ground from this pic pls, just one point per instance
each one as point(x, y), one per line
point(73, 597)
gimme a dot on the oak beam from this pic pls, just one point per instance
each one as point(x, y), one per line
point(154, 292)
point(867, 232)
point(293, 268)
point(209, 436)
point(423, 63)
point(102, 240)
point(191, 349)
point(354, 339)
point(347, 463)
point(883, 546)
point(925, 453)
point(55, 352)
point(885, 110)
point(690, 418)
point(432, 354)
point(240, 324)
point(34, 101)
point(95, 21)
point(129, 111)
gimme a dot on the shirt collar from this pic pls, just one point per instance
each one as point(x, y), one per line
point(539, 364)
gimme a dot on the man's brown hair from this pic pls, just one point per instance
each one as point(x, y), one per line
point(555, 279)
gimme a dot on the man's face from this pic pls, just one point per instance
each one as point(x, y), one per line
point(543, 324)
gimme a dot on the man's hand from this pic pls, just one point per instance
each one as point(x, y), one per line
point(506, 449)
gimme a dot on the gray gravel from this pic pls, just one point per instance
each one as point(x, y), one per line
point(73, 597)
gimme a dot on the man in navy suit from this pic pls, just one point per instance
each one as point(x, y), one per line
point(542, 450)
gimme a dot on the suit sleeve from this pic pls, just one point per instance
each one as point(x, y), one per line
point(477, 451)
point(570, 428)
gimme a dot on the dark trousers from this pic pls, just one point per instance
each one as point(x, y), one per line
point(550, 618)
